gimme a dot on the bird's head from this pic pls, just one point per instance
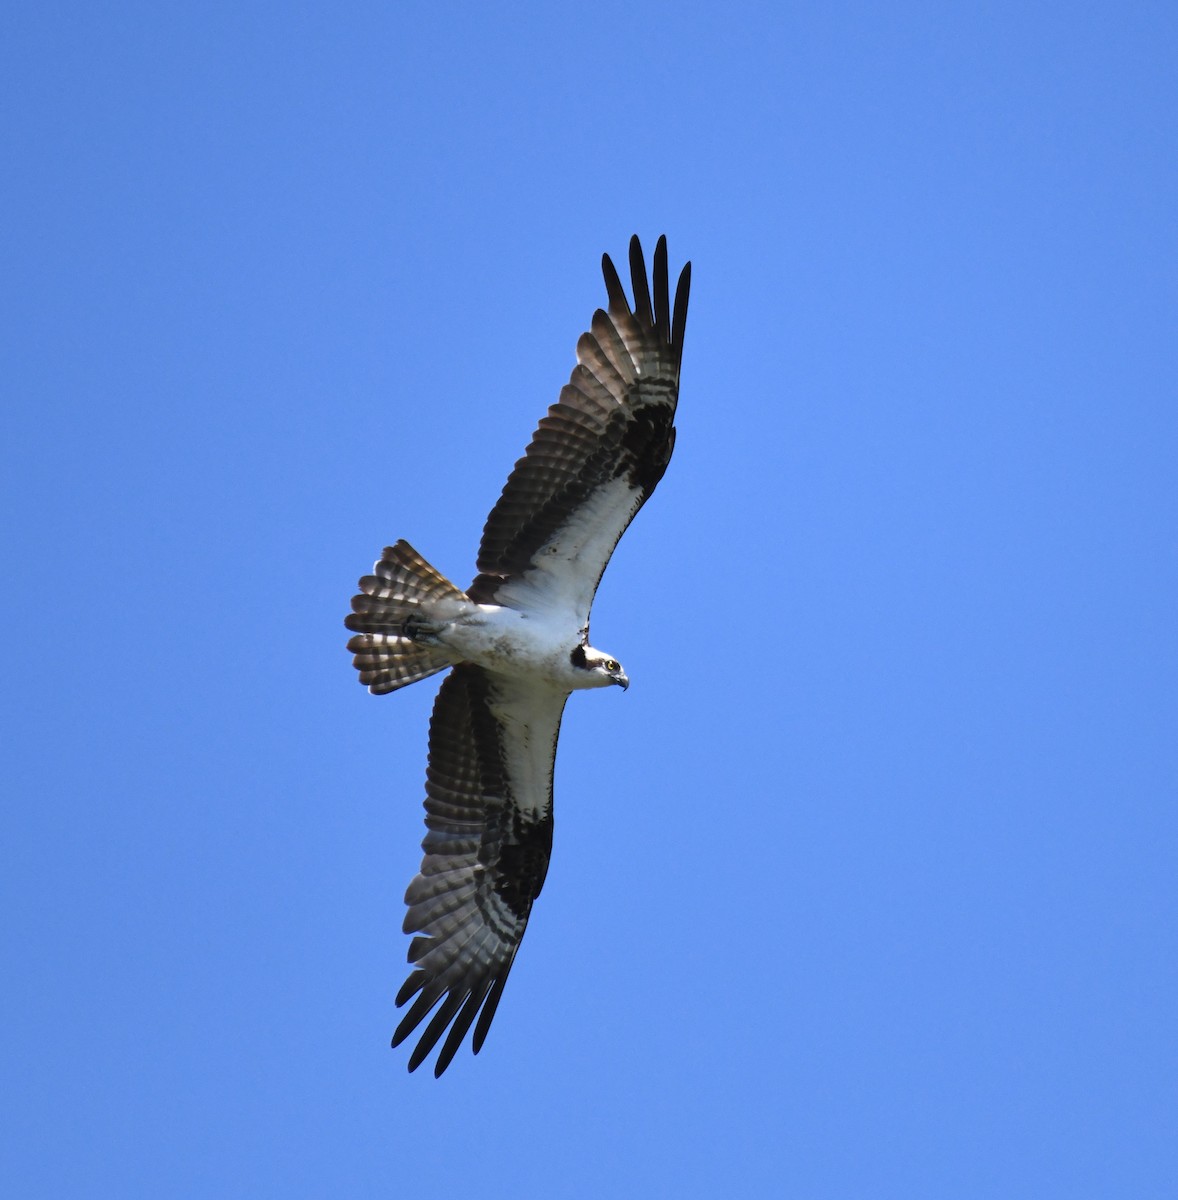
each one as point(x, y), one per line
point(594, 669)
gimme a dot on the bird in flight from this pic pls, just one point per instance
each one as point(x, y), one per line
point(517, 641)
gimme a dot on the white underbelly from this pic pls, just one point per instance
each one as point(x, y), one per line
point(514, 643)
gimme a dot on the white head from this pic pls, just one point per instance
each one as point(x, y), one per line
point(594, 669)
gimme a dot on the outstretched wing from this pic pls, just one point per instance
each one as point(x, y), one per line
point(596, 456)
point(492, 743)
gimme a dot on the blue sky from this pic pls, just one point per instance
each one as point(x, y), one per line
point(867, 886)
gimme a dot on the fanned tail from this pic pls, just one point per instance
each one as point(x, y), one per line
point(397, 616)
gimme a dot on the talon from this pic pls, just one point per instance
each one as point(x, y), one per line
point(417, 629)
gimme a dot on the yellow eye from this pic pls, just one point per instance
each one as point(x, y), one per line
point(611, 664)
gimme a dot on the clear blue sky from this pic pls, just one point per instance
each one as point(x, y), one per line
point(867, 888)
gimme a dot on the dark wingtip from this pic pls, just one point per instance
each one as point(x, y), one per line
point(613, 286)
point(662, 307)
point(670, 320)
point(679, 322)
point(412, 985)
point(482, 1028)
point(642, 305)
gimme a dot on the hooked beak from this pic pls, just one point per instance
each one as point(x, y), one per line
point(623, 681)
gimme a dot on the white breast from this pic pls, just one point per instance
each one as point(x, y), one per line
point(531, 645)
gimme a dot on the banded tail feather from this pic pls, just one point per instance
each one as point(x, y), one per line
point(396, 616)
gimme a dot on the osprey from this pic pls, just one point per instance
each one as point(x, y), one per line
point(518, 642)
